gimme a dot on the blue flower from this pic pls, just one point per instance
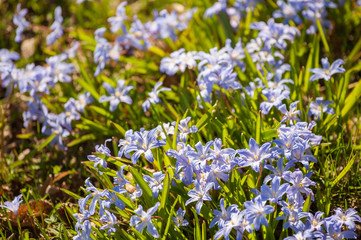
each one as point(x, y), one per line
point(179, 219)
point(246, 5)
point(235, 54)
point(301, 235)
point(155, 183)
point(221, 217)
point(83, 100)
point(327, 71)
point(145, 220)
point(125, 143)
point(112, 198)
point(274, 98)
point(257, 209)
point(100, 161)
point(143, 143)
point(237, 221)
point(298, 155)
point(110, 219)
point(7, 57)
point(138, 34)
point(219, 6)
point(153, 96)
point(225, 78)
point(101, 52)
point(178, 60)
point(289, 11)
point(317, 10)
point(334, 231)
point(292, 114)
point(316, 107)
point(278, 172)
point(59, 129)
point(255, 155)
point(70, 113)
point(219, 154)
point(299, 184)
point(117, 95)
point(86, 230)
point(199, 194)
point(71, 52)
point(275, 34)
point(217, 172)
point(184, 166)
point(13, 205)
point(56, 27)
point(137, 193)
point(96, 195)
point(117, 21)
point(120, 180)
point(202, 155)
point(39, 82)
point(165, 129)
point(20, 22)
point(314, 222)
point(59, 70)
point(183, 128)
point(278, 80)
point(294, 216)
point(275, 192)
point(347, 218)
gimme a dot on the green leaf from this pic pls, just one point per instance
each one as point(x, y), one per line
point(354, 96)
point(258, 128)
point(102, 112)
point(25, 135)
point(206, 117)
point(344, 171)
point(204, 230)
point(307, 204)
point(323, 37)
point(147, 192)
point(119, 128)
point(269, 134)
point(157, 51)
point(40, 147)
point(170, 219)
point(74, 195)
point(174, 145)
point(165, 194)
point(88, 88)
point(251, 181)
point(197, 229)
point(97, 126)
point(226, 25)
point(125, 234)
point(84, 138)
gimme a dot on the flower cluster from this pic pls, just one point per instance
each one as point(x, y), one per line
point(300, 12)
point(137, 144)
point(37, 80)
point(140, 35)
point(285, 188)
point(56, 27)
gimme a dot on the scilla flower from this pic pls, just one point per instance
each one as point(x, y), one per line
point(14, 205)
point(145, 220)
point(117, 95)
point(327, 71)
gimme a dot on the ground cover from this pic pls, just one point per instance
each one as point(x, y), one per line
point(197, 119)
